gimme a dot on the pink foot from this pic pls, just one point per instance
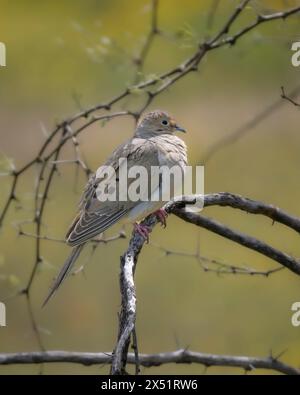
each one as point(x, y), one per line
point(142, 230)
point(162, 216)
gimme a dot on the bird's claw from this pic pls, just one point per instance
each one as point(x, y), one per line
point(142, 230)
point(162, 215)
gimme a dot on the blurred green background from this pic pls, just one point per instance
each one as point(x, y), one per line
point(63, 56)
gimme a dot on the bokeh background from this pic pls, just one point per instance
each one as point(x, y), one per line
point(63, 56)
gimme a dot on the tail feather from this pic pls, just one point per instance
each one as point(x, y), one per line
point(64, 272)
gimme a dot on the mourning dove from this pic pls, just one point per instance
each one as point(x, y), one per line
point(153, 145)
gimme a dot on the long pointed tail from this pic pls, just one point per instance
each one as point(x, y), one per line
point(64, 272)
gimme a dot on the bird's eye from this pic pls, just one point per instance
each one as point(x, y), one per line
point(164, 122)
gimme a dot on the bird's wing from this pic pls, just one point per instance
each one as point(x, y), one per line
point(96, 216)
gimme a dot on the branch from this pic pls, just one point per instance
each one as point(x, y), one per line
point(177, 207)
point(289, 97)
point(245, 204)
point(240, 238)
point(154, 31)
point(216, 266)
point(243, 129)
point(253, 207)
point(165, 80)
point(128, 312)
point(182, 356)
point(260, 19)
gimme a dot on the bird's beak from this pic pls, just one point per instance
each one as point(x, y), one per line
point(180, 129)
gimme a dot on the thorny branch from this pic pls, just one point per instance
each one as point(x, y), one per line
point(230, 138)
point(178, 207)
point(167, 79)
point(154, 31)
point(48, 158)
point(182, 356)
point(289, 97)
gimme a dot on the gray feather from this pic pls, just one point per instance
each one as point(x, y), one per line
point(64, 272)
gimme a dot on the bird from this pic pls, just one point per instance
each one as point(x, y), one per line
point(154, 144)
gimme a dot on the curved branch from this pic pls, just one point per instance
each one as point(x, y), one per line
point(236, 201)
point(147, 360)
point(240, 238)
point(177, 207)
point(253, 207)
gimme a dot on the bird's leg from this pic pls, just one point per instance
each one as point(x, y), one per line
point(142, 230)
point(161, 215)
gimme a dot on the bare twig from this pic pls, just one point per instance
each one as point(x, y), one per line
point(216, 266)
point(140, 60)
point(289, 97)
point(136, 352)
point(182, 356)
point(253, 207)
point(99, 240)
point(242, 130)
point(240, 238)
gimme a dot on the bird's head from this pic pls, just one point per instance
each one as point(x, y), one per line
point(155, 123)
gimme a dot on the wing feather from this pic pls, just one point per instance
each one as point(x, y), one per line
point(96, 216)
point(82, 232)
